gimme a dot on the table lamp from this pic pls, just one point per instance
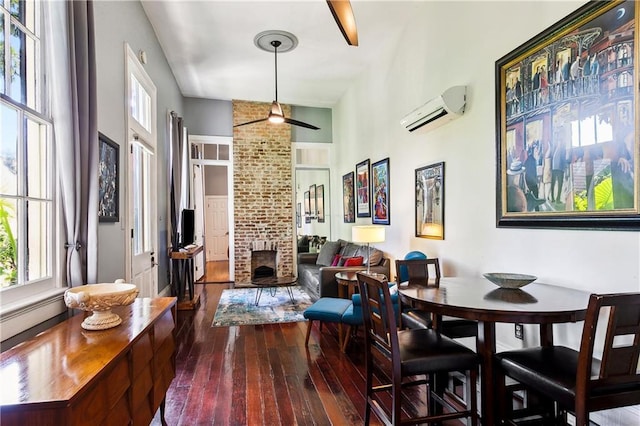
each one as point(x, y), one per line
point(367, 234)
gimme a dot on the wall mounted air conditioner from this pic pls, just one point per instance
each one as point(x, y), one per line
point(437, 111)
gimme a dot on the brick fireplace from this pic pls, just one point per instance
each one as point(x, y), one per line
point(263, 186)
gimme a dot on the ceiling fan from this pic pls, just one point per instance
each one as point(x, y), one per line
point(271, 41)
point(343, 14)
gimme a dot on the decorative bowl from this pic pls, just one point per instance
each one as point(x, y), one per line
point(99, 299)
point(506, 280)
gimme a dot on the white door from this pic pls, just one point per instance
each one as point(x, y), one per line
point(217, 227)
point(198, 207)
point(142, 214)
point(143, 219)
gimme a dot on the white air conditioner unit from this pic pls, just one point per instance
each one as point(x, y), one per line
point(438, 110)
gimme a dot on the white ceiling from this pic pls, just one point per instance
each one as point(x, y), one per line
point(209, 46)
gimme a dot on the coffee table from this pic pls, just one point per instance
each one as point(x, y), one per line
point(272, 283)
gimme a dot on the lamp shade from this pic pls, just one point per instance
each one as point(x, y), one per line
point(367, 234)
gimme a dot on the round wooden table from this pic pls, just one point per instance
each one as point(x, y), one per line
point(480, 300)
point(347, 282)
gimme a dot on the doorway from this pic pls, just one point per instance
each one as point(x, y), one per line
point(212, 171)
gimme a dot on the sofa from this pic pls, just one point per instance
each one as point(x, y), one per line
point(316, 271)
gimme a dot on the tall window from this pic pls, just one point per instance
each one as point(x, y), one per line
point(26, 156)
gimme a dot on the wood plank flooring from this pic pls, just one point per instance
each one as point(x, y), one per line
point(262, 375)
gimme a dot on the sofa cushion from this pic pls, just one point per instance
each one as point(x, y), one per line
point(376, 255)
point(327, 253)
point(354, 261)
point(336, 260)
point(349, 250)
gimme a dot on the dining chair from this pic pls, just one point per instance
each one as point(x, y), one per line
point(418, 274)
point(577, 381)
point(406, 358)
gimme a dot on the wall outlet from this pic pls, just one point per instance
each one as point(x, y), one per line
point(519, 330)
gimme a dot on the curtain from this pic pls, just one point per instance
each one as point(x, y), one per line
point(69, 34)
point(177, 150)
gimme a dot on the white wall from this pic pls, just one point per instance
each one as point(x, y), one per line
point(448, 44)
point(117, 22)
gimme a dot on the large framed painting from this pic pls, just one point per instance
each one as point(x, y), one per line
point(381, 199)
point(363, 191)
point(566, 116)
point(348, 199)
point(320, 202)
point(108, 180)
point(430, 201)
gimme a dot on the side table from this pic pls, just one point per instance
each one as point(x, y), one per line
point(347, 282)
point(183, 277)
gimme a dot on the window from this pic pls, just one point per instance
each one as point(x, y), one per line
point(26, 155)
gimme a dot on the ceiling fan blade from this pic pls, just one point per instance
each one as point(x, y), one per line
point(300, 123)
point(251, 122)
point(343, 14)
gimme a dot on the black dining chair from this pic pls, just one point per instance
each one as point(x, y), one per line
point(575, 380)
point(408, 358)
point(417, 273)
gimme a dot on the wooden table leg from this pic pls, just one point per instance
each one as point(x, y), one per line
point(486, 348)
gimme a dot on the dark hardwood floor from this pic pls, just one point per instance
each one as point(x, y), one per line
point(263, 375)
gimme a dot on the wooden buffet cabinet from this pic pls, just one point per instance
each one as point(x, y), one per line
point(71, 376)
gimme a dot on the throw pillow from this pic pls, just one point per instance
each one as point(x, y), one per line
point(336, 260)
point(327, 253)
point(354, 261)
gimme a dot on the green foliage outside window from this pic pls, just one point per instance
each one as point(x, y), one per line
point(8, 263)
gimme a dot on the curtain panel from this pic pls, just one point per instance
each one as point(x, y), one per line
point(70, 46)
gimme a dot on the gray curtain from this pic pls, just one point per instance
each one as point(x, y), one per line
point(177, 150)
point(69, 34)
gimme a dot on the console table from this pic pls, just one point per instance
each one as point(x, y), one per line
point(71, 376)
point(183, 277)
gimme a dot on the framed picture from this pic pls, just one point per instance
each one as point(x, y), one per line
point(567, 146)
point(108, 180)
point(307, 207)
point(348, 199)
point(363, 191)
point(299, 215)
point(312, 202)
point(430, 201)
point(381, 199)
point(320, 202)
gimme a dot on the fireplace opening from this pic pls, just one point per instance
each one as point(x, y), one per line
point(264, 262)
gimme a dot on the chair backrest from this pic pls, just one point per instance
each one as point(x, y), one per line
point(618, 368)
point(380, 323)
point(418, 270)
point(402, 274)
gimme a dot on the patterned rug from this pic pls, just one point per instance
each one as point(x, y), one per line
point(237, 307)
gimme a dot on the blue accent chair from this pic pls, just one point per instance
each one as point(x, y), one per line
point(326, 309)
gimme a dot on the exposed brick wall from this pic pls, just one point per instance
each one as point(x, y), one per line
point(262, 185)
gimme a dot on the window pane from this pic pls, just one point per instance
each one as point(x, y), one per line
point(147, 201)
point(137, 199)
point(8, 144)
point(2, 74)
point(37, 160)
point(223, 152)
point(211, 152)
point(22, 68)
point(38, 245)
point(8, 243)
point(140, 104)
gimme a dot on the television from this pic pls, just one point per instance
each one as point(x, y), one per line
point(188, 231)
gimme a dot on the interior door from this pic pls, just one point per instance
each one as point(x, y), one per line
point(217, 227)
point(143, 218)
point(198, 207)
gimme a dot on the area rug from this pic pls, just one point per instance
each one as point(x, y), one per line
point(237, 307)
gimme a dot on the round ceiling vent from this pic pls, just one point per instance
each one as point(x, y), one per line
point(264, 40)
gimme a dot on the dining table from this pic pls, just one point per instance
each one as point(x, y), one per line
point(476, 298)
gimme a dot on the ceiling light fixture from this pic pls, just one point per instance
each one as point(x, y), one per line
point(277, 41)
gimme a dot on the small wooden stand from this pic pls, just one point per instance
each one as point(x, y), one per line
point(183, 286)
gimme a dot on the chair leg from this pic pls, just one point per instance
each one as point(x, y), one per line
point(309, 325)
point(347, 337)
point(471, 396)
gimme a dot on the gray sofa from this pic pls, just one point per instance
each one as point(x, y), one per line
point(317, 276)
